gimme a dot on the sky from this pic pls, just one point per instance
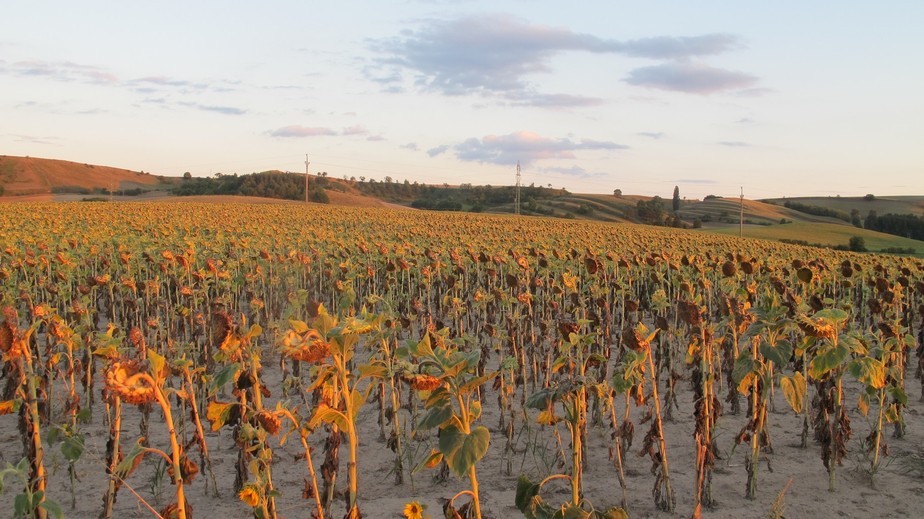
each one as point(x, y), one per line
point(784, 98)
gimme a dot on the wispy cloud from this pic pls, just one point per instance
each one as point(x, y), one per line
point(680, 47)
point(575, 171)
point(734, 144)
point(493, 54)
point(410, 146)
point(164, 81)
point(438, 150)
point(651, 135)
point(695, 181)
point(227, 110)
point(355, 130)
point(35, 139)
point(691, 78)
point(552, 100)
point(63, 71)
point(297, 130)
point(525, 147)
point(301, 131)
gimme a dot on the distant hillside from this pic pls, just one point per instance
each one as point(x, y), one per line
point(822, 221)
point(36, 176)
point(846, 204)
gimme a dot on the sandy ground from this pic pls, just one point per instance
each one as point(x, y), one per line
point(896, 493)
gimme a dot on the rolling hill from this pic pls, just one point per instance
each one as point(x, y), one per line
point(36, 176)
point(24, 178)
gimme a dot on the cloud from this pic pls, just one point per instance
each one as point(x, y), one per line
point(59, 107)
point(695, 181)
point(652, 135)
point(301, 131)
point(375, 138)
point(682, 47)
point(525, 147)
point(552, 100)
point(355, 130)
point(64, 71)
point(752, 92)
point(410, 146)
point(734, 144)
point(33, 139)
point(163, 81)
point(227, 110)
point(575, 171)
point(439, 150)
point(494, 54)
point(691, 78)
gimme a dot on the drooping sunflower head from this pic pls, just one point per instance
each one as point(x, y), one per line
point(124, 379)
point(310, 348)
point(250, 495)
point(422, 382)
point(269, 421)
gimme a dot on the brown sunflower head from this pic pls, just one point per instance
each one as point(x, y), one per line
point(310, 348)
point(816, 327)
point(269, 421)
point(124, 379)
point(422, 382)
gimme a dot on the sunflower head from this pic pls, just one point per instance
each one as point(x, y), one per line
point(423, 382)
point(310, 348)
point(123, 379)
point(413, 510)
point(250, 495)
point(269, 421)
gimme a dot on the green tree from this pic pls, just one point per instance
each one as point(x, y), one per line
point(855, 218)
point(857, 244)
point(675, 204)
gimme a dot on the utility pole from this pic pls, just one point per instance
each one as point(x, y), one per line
point(518, 189)
point(741, 218)
point(307, 162)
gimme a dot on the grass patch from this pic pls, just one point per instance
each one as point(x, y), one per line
point(828, 234)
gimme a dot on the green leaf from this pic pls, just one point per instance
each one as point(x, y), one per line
point(461, 451)
point(869, 371)
point(475, 382)
point(254, 331)
point(794, 390)
point(744, 366)
point(833, 315)
point(778, 353)
point(220, 414)
point(372, 370)
point(475, 410)
point(898, 394)
point(420, 348)
point(827, 361)
point(540, 399)
point(526, 489)
point(225, 375)
point(328, 414)
point(53, 508)
point(573, 511)
point(431, 461)
point(21, 506)
point(613, 513)
point(299, 327)
point(131, 460)
point(72, 447)
point(159, 369)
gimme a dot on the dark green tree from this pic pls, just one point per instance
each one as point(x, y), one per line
point(675, 204)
